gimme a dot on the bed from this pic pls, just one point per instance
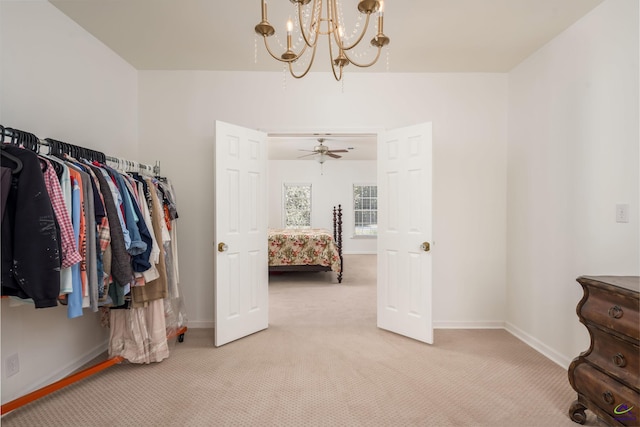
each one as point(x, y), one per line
point(308, 249)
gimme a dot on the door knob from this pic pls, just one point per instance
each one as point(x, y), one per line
point(222, 247)
point(425, 247)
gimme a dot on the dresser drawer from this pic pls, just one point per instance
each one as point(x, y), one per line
point(617, 357)
point(614, 311)
point(608, 394)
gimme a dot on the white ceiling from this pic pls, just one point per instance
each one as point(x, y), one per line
point(426, 36)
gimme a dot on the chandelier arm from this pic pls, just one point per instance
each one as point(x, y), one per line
point(313, 56)
point(337, 77)
point(365, 65)
point(337, 36)
point(331, 61)
point(277, 58)
point(304, 34)
point(302, 51)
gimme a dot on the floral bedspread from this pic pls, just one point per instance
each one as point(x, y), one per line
point(309, 246)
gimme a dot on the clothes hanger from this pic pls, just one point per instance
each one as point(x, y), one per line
point(54, 151)
point(34, 143)
point(14, 159)
point(14, 136)
point(20, 139)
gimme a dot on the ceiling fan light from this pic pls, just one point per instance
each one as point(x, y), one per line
point(322, 158)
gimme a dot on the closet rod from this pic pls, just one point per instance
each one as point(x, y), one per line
point(29, 140)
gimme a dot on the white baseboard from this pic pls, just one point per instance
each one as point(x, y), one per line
point(455, 324)
point(532, 342)
point(201, 324)
point(68, 368)
point(537, 345)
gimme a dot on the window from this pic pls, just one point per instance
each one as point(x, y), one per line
point(297, 205)
point(365, 210)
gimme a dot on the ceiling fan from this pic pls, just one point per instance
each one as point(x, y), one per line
point(322, 150)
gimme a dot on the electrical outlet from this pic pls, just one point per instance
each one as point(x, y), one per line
point(622, 213)
point(11, 365)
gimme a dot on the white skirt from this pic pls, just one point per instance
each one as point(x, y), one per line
point(139, 334)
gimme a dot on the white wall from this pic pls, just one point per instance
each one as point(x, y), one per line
point(330, 186)
point(572, 156)
point(469, 115)
point(58, 81)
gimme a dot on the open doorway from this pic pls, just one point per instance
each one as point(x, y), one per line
point(325, 167)
point(403, 260)
point(330, 180)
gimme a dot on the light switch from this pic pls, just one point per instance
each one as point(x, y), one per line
point(622, 213)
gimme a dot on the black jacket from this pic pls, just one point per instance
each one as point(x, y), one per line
point(30, 235)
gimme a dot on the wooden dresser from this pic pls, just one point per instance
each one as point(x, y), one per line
point(607, 375)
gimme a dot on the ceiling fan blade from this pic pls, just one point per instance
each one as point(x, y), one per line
point(335, 156)
point(338, 151)
point(311, 151)
point(307, 155)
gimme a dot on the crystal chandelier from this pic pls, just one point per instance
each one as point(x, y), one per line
point(313, 23)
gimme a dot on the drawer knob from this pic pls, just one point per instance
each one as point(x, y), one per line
point(615, 312)
point(619, 360)
point(607, 396)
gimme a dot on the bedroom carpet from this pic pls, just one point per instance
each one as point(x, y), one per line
point(322, 362)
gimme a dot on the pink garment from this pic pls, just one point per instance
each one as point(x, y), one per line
point(70, 254)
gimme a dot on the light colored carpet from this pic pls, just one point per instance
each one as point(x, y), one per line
point(322, 362)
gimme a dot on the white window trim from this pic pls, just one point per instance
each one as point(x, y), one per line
point(354, 235)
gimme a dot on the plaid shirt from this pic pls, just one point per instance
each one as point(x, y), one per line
point(103, 237)
point(103, 234)
point(70, 254)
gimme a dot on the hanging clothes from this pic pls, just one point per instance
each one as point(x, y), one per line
point(70, 254)
point(155, 289)
point(74, 298)
point(78, 232)
point(120, 265)
point(102, 238)
point(139, 334)
point(30, 237)
point(65, 185)
point(5, 174)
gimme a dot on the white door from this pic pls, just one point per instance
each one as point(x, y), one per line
point(404, 232)
point(241, 270)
